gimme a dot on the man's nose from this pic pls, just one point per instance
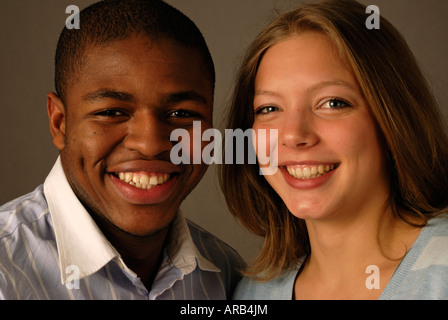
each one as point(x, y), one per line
point(148, 134)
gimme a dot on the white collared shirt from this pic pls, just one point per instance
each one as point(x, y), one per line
point(50, 248)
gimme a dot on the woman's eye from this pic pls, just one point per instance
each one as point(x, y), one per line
point(266, 110)
point(335, 104)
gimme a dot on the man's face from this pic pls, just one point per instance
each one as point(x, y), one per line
point(119, 113)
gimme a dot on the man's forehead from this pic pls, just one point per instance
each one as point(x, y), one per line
point(135, 54)
point(117, 55)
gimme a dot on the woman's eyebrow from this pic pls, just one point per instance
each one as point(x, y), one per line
point(331, 83)
point(315, 87)
point(266, 93)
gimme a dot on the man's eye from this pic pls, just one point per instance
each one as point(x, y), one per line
point(110, 113)
point(181, 114)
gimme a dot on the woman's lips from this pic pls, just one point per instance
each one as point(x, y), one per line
point(308, 176)
point(305, 172)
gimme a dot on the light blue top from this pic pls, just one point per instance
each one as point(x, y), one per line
point(50, 248)
point(422, 274)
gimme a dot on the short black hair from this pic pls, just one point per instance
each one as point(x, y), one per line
point(111, 20)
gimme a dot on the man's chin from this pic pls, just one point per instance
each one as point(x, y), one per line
point(145, 232)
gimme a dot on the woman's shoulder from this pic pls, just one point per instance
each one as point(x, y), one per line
point(430, 247)
point(439, 225)
point(423, 272)
point(279, 288)
point(433, 242)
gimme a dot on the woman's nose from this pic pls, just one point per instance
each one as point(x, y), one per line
point(298, 130)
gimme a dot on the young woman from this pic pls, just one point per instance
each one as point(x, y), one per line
point(356, 207)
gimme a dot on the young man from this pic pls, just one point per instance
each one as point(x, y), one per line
point(106, 222)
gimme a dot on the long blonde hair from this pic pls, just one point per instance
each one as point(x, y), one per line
point(401, 103)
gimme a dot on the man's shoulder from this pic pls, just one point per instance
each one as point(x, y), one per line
point(22, 211)
point(213, 248)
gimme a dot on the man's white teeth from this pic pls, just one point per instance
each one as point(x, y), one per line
point(309, 172)
point(143, 181)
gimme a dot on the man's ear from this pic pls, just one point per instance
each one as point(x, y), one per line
point(56, 116)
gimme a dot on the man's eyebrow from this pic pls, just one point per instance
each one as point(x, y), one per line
point(169, 98)
point(177, 97)
point(108, 94)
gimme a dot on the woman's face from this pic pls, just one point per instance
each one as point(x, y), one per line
point(331, 159)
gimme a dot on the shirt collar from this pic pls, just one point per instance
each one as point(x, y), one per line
point(81, 243)
point(182, 249)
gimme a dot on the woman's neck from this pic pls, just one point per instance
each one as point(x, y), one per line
point(342, 249)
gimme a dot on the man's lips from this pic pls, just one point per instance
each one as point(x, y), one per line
point(138, 195)
point(149, 166)
point(144, 182)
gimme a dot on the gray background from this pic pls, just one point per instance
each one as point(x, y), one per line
point(28, 34)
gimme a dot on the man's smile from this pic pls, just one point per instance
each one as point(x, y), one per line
point(143, 180)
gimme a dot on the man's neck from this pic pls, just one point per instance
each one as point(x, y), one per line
point(141, 254)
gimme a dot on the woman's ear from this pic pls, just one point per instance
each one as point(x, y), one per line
point(56, 116)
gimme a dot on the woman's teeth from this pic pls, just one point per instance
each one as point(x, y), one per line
point(143, 181)
point(309, 172)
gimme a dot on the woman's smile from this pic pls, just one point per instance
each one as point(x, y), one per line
point(331, 154)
